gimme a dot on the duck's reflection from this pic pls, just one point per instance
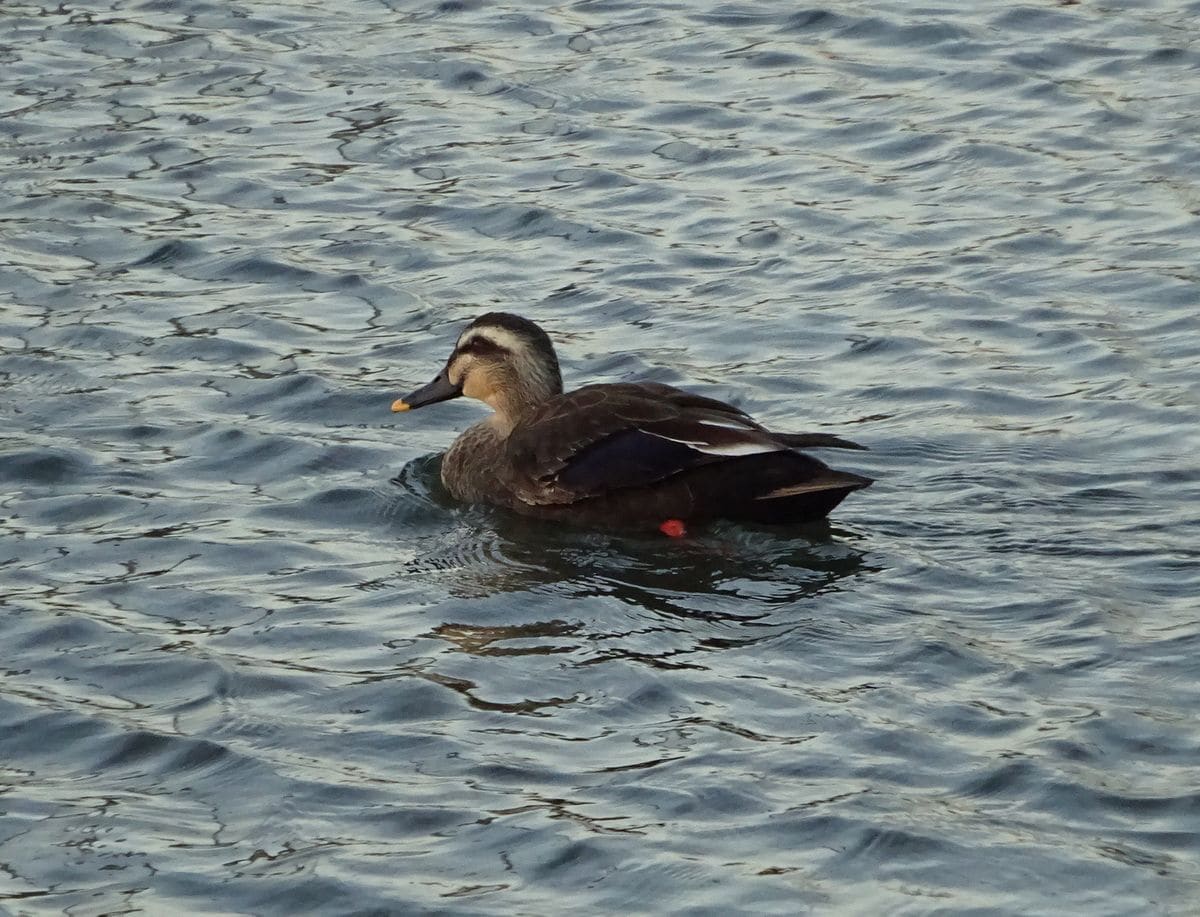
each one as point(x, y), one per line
point(719, 588)
point(509, 640)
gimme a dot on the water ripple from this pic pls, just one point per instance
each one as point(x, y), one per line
point(257, 660)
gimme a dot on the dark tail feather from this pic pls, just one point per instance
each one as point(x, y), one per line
point(804, 500)
point(815, 441)
point(775, 488)
point(810, 507)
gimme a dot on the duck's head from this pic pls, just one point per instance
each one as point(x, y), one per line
point(501, 359)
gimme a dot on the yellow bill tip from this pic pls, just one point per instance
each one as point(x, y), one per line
point(400, 405)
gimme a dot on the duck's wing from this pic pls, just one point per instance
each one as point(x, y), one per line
point(817, 441)
point(608, 437)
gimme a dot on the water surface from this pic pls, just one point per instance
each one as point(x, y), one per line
point(254, 661)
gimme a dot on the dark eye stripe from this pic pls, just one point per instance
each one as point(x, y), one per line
point(481, 346)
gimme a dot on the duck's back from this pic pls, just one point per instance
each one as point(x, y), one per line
point(640, 453)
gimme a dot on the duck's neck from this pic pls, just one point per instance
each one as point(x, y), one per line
point(511, 404)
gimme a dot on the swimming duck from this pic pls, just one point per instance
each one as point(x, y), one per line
point(616, 454)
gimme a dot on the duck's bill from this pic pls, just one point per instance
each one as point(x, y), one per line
point(440, 389)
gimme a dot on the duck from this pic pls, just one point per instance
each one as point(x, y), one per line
point(617, 455)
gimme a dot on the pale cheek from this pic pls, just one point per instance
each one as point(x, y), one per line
point(457, 373)
point(477, 387)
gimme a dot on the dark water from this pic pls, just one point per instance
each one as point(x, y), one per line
point(253, 661)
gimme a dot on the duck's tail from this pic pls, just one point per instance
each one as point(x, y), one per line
point(789, 487)
point(806, 501)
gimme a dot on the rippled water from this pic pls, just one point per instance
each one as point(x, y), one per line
point(254, 660)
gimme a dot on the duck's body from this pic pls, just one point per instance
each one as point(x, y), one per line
point(618, 454)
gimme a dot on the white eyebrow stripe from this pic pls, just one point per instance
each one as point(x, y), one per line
point(498, 336)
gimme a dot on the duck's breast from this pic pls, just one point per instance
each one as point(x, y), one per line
point(473, 467)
